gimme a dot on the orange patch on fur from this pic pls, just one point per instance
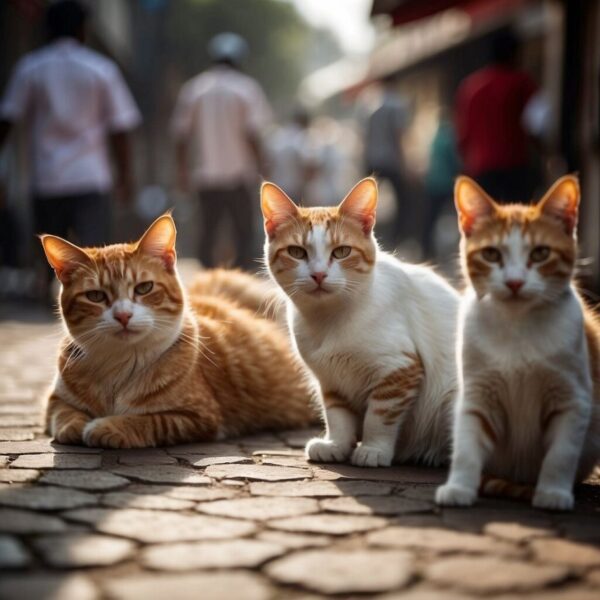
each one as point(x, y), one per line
point(401, 383)
point(486, 425)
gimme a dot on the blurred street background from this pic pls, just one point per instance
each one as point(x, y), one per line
point(329, 91)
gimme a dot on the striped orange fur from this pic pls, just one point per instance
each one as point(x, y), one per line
point(178, 370)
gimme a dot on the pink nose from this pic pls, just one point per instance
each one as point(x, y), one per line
point(514, 285)
point(319, 277)
point(122, 317)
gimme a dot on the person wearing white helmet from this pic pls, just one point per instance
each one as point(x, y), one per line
point(218, 123)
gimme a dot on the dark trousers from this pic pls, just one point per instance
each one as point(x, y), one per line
point(436, 204)
point(9, 238)
point(393, 233)
point(83, 219)
point(517, 184)
point(235, 204)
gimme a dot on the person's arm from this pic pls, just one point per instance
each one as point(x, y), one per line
point(181, 160)
point(259, 116)
point(16, 101)
point(120, 142)
point(122, 117)
point(182, 127)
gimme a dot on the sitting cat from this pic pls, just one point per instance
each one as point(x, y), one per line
point(377, 333)
point(140, 366)
point(529, 405)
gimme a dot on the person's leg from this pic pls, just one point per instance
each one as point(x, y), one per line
point(404, 225)
point(90, 219)
point(436, 203)
point(386, 231)
point(211, 214)
point(9, 242)
point(50, 217)
point(242, 215)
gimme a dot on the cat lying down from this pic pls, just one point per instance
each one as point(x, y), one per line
point(142, 365)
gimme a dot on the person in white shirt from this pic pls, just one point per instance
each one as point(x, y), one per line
point(76, 106)
point(218, 123)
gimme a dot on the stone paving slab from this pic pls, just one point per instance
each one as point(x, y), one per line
point(252, 519)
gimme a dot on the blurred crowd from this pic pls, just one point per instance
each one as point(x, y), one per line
point(80, 115)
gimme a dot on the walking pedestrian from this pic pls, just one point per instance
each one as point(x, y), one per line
point(218, 124)
point(384, 156)
point(494, 144)
point(76, 106)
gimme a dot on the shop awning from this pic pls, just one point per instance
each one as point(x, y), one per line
point(407, 11)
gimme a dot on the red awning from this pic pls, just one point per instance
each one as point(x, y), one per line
point(406, 11)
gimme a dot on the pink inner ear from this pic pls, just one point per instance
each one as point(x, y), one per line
point(276, 206)
point(472, 204)
point(169, 258)
point(271, 227)
point(361, 204)
point(367, 221)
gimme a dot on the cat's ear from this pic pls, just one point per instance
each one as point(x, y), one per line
point(562, 202)
point(159, 241)
point(63, 256)
point(277, 207)
point(472, 203)
point(361, 204)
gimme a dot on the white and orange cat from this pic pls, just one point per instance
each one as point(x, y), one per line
point(141, 365)
point(528, 351)
point(378, 334)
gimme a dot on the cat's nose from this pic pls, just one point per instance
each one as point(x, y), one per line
point(319, 277)
point(514, 285)
point(123, 317)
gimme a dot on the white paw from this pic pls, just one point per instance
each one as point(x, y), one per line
point(371, 456)
point(455, 495)
point(553, 499)
point(320, 450)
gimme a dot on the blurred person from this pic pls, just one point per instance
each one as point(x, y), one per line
point(384, 157)
point(329, 163)
point(494, 145)
point(444, 166)
point(75, 105)
point(292, 157)
point(218, 124)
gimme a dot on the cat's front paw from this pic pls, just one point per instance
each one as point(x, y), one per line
point(102, 433)
point(371, 456)
point(327, 451)
point(553, 499)
point(69, 432)
point(455, 495)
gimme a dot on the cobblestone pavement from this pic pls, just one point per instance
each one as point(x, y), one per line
point(251, 519)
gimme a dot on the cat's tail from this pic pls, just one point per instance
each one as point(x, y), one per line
point(502, 488)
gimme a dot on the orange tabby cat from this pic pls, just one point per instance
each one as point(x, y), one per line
point(141, 367)
point(528, 411)
point(257, 294)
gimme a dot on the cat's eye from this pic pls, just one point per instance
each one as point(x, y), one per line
point(297, 252)
point(143, 288)
point(341, 252)
point(491, 254)
point(95, 296)
point(539, 254)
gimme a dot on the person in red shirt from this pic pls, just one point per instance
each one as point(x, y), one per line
point(495, 147)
